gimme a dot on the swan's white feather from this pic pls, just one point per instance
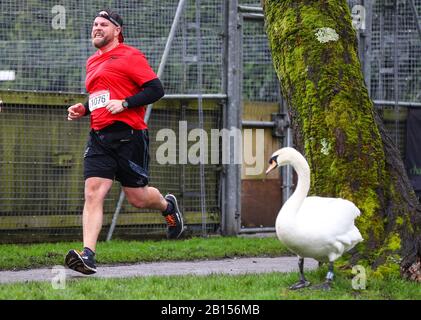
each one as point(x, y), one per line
point(317, 227)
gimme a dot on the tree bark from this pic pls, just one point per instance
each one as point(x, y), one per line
point(314, 51)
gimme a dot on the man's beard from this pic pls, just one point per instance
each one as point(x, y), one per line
point(99, 44)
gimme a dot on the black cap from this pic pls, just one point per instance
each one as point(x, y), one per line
point(115, 19)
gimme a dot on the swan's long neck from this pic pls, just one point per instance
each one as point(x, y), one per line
point(300, 165)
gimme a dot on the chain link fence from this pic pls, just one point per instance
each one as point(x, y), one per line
point(395, 63)
point(44, 47)
point(42, 184)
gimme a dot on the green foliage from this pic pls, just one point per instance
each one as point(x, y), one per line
point(386, 271)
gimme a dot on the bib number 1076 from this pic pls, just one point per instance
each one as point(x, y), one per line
point(98, 100)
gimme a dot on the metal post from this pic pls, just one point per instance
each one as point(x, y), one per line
point(161, 67)
point(381, 85)
point(250, 9)
point(416, 16)
point(230, 223)
point(396, 70)
point(288, 180)
point(366, 34)
point(115, 216)
point(201, 124)
point(164, 57)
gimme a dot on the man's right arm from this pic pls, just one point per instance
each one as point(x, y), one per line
point(76, 111)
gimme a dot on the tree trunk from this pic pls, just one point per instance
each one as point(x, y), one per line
point(314, 50)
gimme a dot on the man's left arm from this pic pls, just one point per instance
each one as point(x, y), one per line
point(151, 92)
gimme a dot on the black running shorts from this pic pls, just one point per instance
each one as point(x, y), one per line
point(118, 152)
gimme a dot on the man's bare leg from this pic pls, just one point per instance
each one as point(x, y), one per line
point(146, 197)
point(151, 198)
point(96, 190)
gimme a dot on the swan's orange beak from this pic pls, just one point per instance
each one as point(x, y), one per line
point(272, 166)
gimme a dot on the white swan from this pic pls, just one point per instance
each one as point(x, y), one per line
point(315, 227)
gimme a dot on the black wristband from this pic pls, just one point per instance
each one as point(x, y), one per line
point(86, 105)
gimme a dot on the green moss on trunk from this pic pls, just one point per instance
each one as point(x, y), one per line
point(314, 50)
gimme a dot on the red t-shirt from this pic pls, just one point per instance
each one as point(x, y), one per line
point(120, 73)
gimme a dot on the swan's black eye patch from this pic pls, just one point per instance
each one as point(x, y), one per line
point(272, 159)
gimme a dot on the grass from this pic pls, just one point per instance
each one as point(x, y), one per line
point(15, 257)
point(271, 286)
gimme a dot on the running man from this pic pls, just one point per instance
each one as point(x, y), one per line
point(120, 83)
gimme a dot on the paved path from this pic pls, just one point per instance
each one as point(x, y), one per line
point(203, 267)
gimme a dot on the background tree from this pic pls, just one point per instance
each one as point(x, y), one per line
point(314, 51)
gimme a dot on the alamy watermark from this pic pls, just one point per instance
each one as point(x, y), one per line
point(59, 20)
point(360, 280)
point(233, 146)
point(358, 13)
point(58, 281)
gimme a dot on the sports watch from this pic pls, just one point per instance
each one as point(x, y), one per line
point(125, 104)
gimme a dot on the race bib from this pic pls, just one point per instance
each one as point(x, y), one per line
point(98, 99)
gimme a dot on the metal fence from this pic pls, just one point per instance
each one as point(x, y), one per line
point(41, 175)
point(396, 51)
point(395, 63)
point(43, 49)
point(259, 81)
point(46, 45)
point(43, 52)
